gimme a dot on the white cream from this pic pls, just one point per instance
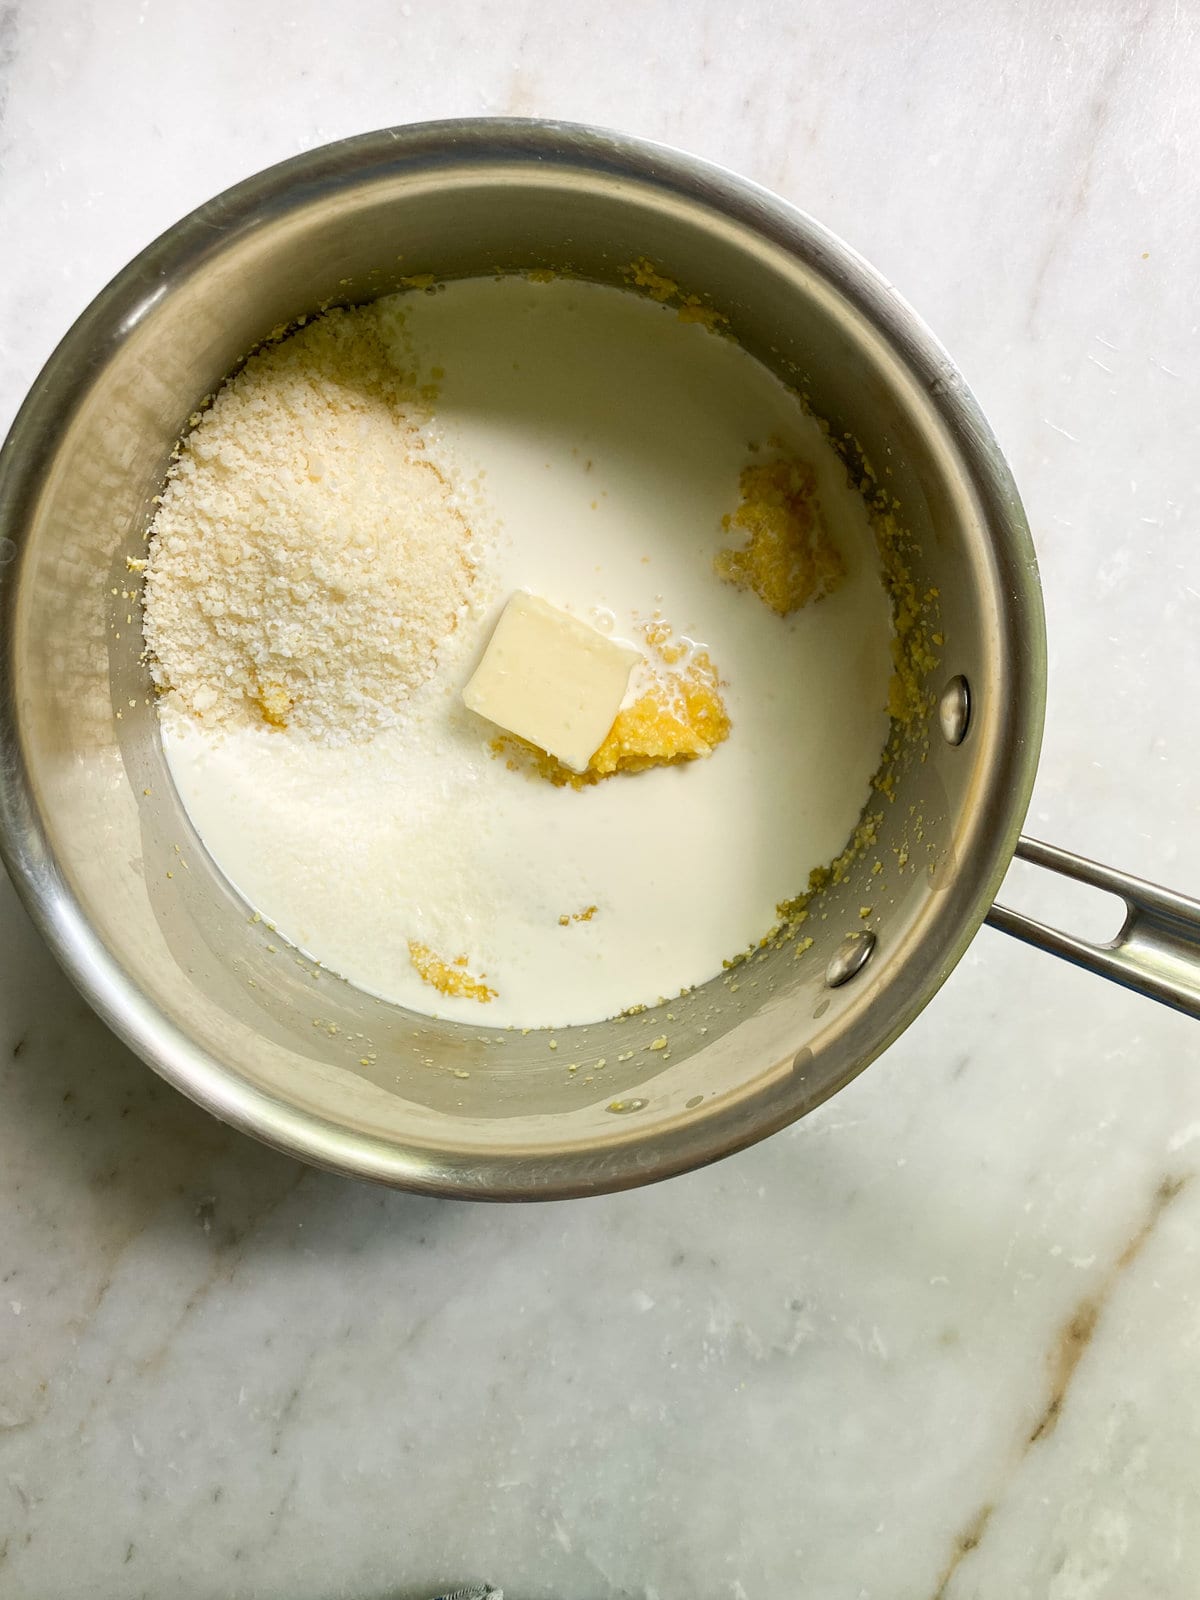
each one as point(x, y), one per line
point(601, 440)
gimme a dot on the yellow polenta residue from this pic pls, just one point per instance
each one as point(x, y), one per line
point(586, 915)
point(275, 703)
point(788, 558)
point(645, 275)
point(679, 716)
point(447, 977)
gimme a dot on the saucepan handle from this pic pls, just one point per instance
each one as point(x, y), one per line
point(1156, 953)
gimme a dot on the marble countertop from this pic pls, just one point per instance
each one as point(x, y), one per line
point(941, 1341)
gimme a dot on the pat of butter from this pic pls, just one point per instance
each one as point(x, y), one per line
point(551, 679)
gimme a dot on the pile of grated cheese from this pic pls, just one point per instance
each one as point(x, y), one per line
point(306, 560)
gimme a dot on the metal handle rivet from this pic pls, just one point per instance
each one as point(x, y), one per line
point(954, 710)
point(850, 957)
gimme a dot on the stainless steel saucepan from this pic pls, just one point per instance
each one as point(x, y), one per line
point(176, 966)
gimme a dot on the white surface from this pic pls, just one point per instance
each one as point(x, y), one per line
point(811, 1370)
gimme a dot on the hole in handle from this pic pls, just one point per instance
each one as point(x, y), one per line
point(1079, 909)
